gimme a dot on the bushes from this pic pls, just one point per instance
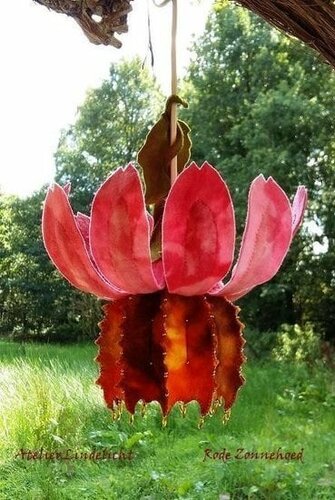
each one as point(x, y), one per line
point(259, 345)
point(288, 343)
point(295, 343)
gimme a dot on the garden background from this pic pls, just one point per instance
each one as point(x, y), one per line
point(259, 102)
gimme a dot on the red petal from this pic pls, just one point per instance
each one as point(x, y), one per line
point(298, 208)
point(142, 358)
point(120, 233)
point(170, 348)
point(189, 345)
point(198, 231)
point(66, 247)
point(229, 349)
point(110, 353)
point(265, 241)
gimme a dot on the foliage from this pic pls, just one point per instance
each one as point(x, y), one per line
point(35, 300)
point(259, 345)
point(260, 102)
point(48, 400)
point(297, 344)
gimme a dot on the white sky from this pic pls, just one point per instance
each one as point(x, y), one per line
point(47, 65)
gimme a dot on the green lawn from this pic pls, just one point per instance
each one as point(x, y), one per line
point(48, 400)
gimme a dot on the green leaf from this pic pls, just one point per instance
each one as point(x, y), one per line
point(156, 154)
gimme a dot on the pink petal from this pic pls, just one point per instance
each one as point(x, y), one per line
point(198, 231)
point(151, 222)
point(67, 188)
point(120, 233)
point(298, 208)
point(265, 241)
point(66, 247)
point(158, 271)
point(83, 224)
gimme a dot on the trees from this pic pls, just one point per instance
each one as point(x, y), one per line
point(35, 301)
point(260, 102)
point(111, 126)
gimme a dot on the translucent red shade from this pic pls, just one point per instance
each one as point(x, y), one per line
point(170, 331)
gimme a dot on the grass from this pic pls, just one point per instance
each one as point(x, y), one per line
point(48, 400)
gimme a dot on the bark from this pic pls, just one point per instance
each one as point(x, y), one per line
point(99, 19)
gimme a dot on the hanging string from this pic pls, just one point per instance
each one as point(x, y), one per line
point(160, 4)
point(173, 124)
point(174, 118)
point(151, 50)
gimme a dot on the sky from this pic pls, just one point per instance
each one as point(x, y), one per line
point(47, 66)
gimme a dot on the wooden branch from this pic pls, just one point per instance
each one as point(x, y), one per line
point(99, 19)
point(312, 21)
